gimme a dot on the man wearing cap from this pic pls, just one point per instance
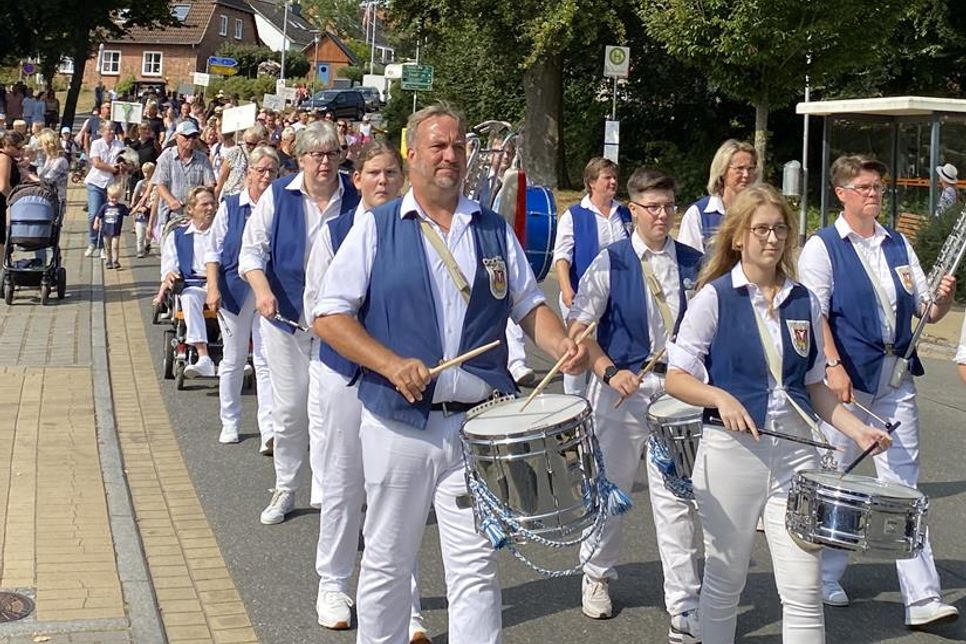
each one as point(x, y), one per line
point(180, 168)
point(948, 175)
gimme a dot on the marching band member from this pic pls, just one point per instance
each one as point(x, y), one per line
point(733, 168)
point(636, 290)
point(275, 248)
point(391, 304)
point(869, 284)
point(335, 412)
point(583, 230)
point(232, 298)
point(960, 358)
point(750, 327)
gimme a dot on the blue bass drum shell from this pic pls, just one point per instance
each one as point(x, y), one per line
point(541, 229)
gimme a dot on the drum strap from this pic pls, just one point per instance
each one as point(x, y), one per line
point(654, 286)
point(448, 260)
point(884, 303)
point(775, 368)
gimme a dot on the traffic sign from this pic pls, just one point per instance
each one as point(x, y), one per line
point(417, 77)
point(29, 68)
point(217, 61)
point(617, 62)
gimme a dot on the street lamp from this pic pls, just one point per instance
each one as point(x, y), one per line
point(315, 77)
point(281, 73)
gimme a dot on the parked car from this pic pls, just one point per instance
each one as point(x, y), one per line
point(373, 99)
point(343, 103)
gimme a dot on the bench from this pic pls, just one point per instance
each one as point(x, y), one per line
point(909, 224)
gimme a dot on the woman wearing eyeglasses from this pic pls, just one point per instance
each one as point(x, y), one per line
point(733, 168)
point(869, 284)
point(636, 290)
point(751, 320)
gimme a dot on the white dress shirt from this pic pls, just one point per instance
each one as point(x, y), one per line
point(700, 324)
point(691, 232)
point(219, 227)
point(591, 299)
point(961, 349)
point(610, 228)
point(257, 239)
point(169, 253)
point(815, 269)
point(346, 285)
point(319, 259)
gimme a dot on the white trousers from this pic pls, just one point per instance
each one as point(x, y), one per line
point(622, 434)
point(736, 481)
point(406, 470)
point(193, 305)
point(140, 235)
point(515, 344)
point(918, 578)
point(236, 332)
point(573, 385)
point(335, 415)
point(288, 363)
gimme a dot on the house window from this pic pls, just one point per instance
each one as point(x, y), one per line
point(66, 66)
point(111, 62)
point(223, 25)
point(151, 63)
point(238, 29)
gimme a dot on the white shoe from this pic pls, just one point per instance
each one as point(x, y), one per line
point(595, 598)
point(931, 612)
point(281, 504)
point(90, 251)
point(268, 447)
point(418, 632)
point(203, 368)
point(228, 435)
point(247, 370)
point(685, 628)
point(334, 609)
point(103, 254)
point(833, 594)
point(524, 376)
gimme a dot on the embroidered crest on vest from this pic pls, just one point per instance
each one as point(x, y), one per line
point(496, 269)
point(905, 278)
point(798, 331)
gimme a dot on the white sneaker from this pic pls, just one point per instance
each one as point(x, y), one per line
point(685, 628)
point(268, 447)
point(103, 254)
point(932, 611)
point(524, 376)
point(281, 504)
point(418, 632)
point(90, 251)
point(833, 594)
point(595, 598)
point(203, 368)
point(334, 609)
point(228, 435)
point(247, 370)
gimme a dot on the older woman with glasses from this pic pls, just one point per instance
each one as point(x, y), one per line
point(733, 168)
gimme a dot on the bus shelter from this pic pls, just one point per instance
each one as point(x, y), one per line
point(912, 134)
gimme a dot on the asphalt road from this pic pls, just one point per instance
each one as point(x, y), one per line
point(273, 566)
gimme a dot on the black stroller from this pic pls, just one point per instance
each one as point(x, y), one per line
point(34, 220)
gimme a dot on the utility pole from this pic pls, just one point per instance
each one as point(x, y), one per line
point(281, 73)
point(315, 75)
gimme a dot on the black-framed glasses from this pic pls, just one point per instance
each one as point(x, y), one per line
point(761, 231)
point(875, 188)
point(655, 209)
point(319, 155)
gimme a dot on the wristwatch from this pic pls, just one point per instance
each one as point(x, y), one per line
point(832, 363)
point(609, 373)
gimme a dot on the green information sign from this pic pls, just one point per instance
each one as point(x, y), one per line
point(417, 77)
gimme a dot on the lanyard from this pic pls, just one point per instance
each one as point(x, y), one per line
point(890, 315)
point(654, 286)
point(448, 260)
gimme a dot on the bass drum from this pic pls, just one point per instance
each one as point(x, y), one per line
point(541, 229)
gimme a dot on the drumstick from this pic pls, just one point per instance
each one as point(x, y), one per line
point(553, 371)
point(292, 323)
point(460, 359)
point(885, 423)
point(717, 422)
point(224, 325)
point(889, 427)
point(643, 372)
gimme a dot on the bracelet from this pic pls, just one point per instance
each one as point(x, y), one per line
point(831, 364)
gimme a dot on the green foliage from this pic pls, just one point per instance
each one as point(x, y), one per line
point(125, 85)
point(246, 88)
point(929, 243)
point(341, 16)
point(351, 72)
point(249, 57)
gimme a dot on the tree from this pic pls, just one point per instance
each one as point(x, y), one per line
point(758, 51)
point(250, 56)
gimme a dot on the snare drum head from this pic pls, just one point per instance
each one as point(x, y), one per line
point(668, 407)
point(507, 419)
point(862, 484)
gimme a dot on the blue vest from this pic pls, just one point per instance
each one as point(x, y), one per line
point(286, 266)
point(184, 244)
point(623, 331)
point(400, 310)
point(586, 243)
point(736, 359)
point(339, 227)
point(710, 221)
point(853, 314)
point(234, 290)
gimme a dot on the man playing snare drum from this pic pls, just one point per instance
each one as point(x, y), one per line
point(635, 290)
point(397, 312)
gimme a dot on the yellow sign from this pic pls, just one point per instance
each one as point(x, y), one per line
point(222, 70)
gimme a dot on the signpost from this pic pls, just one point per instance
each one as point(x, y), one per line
point(617, 64)
point(417, 78)
point(222, 66)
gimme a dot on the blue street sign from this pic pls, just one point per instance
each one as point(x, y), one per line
point(322, 73)
point(216, 61)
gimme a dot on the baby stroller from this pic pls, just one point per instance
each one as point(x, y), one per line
point(34, 221)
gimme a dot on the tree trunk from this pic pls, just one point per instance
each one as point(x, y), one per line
point(543, 125)
point(761, 132)
point(80, 51)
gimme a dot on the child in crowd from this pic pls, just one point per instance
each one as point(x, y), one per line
point(109, 220)
point(144, 195)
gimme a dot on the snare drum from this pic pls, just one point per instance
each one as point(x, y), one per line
point(539, 463)
point(857, 513)
point(678, 427)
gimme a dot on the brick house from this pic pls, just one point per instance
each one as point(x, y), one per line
point(173, 54)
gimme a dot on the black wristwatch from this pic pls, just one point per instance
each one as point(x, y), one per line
point(609, 373)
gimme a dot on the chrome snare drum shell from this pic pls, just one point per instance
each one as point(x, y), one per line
point(679, 425)
point(539, 463)
point(856, 513)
